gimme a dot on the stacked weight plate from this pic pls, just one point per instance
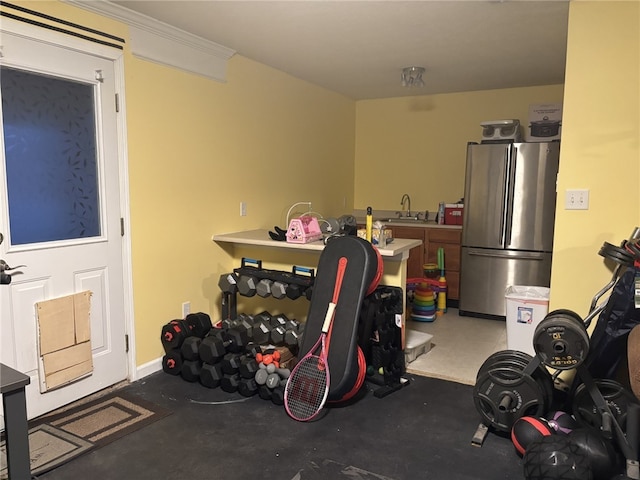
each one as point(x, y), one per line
point(506, 391)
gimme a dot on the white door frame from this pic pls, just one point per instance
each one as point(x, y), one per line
point(117, 57)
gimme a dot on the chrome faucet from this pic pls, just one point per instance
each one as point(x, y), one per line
point(406, 198)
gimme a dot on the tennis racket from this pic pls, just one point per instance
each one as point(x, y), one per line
point(308, 385)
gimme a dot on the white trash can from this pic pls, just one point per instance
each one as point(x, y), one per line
point(526, 307)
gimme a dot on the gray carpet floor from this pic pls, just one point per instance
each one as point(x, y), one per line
point(422, 431)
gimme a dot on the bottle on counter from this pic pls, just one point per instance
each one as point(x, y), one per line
point(441, 213)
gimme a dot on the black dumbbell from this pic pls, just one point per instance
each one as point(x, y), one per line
point(277, 395)
point(248, 367)
point(293, 335)
point(294, 291)
point(247, 387)
point(265, 392)
point(279, 319)
point(199, 323)
point(261, 333)
point(308, 293)
point(174, 333)
point(277, 335)
point(172, 362)
point(190, 348)
point(230, 383)
point(231, 363)
point(228, 282)
point(191, 370)
point(211, 375)
point(212, 348)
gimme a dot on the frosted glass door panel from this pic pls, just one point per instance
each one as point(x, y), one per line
point(50, 155)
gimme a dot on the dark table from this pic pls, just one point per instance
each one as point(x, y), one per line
point(12, 384)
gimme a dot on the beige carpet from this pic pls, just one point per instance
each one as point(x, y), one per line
point(56, 438)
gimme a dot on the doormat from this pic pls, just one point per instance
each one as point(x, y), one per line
point(108, 418)
point(49, 447)
point(59, 437)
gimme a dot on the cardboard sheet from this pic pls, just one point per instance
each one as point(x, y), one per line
point(65, 339)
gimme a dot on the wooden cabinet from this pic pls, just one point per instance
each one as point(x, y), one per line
point(449, 240)
point(432, 239)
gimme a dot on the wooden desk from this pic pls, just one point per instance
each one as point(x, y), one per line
point(12, 384)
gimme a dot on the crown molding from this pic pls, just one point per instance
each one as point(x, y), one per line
point(159, 42)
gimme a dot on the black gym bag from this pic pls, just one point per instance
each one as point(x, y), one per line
point(347, 367)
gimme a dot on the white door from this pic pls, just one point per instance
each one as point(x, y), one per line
point(60, 205)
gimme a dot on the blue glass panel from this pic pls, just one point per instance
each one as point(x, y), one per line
point(50, 154)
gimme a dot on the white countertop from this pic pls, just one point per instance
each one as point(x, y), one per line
point(260, 237)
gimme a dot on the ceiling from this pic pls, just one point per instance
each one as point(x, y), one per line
point(358, 48)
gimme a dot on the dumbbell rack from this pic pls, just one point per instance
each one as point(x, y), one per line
point(229, 301)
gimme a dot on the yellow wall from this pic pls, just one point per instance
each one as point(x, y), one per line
point(198, 147)
point(418, 144)
point(599, 151)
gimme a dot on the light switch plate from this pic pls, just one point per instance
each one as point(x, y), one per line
point(576, 199)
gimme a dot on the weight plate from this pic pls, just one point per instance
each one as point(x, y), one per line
point(517, 358)
point(561, 341)
point(617, 397)
point(617, 254)
point(504, 394)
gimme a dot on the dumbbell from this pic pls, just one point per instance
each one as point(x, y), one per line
point(277, 335)
point(279, 320)
point(263, 288)
point(190, 370)
point(247, 387)
point(279, 290)
point(293, 335)
point(174, 333)
point(265, 392)
point(248, 367)
point(199, 323)
point(212, 348)
point(308, 293)
point(231, 363)
point(277, 395)
point(294, 291)
point(190, 348)
point(228, 282)
point(247, 285)
point(172, 362)
point(211, 375)
point(261, 332)
point(229, 383)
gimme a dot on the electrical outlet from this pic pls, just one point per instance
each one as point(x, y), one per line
point(186, 309)
point(243, 209)
point(576, 200)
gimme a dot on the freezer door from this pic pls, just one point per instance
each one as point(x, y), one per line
point(485, 192)
point(531, 202)
point(486, 274)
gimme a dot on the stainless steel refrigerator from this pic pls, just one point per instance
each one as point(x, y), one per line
point(509, 214)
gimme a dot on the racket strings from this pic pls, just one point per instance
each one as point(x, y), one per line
point(307, 389)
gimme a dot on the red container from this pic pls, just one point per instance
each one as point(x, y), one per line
point(453, 213)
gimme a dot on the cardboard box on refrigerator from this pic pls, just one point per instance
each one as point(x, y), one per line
point(545, 122)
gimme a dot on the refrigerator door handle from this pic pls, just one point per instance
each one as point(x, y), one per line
point(511, 181)
point(505, 192)
point(509, 256)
